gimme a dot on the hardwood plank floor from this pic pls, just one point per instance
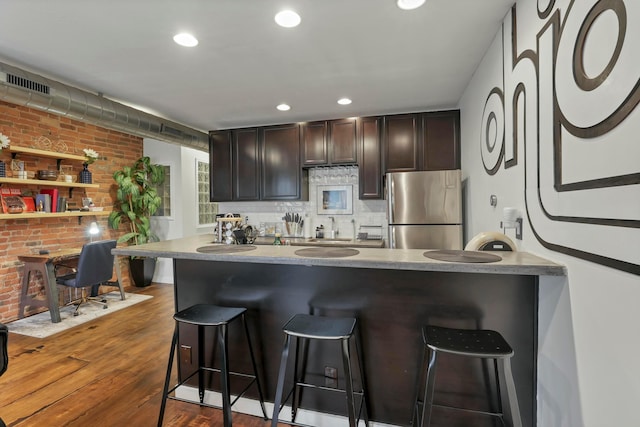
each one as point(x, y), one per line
point(107, 372)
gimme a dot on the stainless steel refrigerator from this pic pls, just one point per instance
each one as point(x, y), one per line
point(424, 209)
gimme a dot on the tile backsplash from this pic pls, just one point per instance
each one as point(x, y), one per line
point(365, 212)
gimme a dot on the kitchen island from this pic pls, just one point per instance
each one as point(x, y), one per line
point(393, 292)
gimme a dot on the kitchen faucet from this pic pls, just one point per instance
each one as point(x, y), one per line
point(332, 232)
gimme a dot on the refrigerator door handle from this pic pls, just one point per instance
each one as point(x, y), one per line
point(391, 200)
point(392, 237)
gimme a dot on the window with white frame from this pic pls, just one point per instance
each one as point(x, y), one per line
point(164, 192)
point(206, 210)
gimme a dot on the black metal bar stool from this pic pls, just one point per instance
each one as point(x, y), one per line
point(204, 315)
point(307, 327)
point(477, 343)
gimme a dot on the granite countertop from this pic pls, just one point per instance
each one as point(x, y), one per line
point(377, 258)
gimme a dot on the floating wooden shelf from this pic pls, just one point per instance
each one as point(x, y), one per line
point(43, 153)
point(44, 182)
point(30, 215)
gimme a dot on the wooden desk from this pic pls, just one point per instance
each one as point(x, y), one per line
point(45, 265)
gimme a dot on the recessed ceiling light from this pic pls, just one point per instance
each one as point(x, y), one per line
point(344, 101)
point(410, 4)
point(287, 19)
point(185, 39)
point(283, 107)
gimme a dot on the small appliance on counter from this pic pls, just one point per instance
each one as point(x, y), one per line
point(226, 224)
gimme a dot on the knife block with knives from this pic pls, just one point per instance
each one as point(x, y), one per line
point(293, 223)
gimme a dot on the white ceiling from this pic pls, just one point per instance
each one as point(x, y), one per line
point(386, 59)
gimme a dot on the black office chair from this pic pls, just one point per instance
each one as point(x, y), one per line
point(4, 354)
point(95, 268)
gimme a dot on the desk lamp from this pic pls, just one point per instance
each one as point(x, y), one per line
point(93, 230)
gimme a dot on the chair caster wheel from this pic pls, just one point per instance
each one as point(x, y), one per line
point(76, 314)
point(105, 307)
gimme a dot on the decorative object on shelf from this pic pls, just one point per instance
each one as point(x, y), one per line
point(4, 143)
point(44, 143)
point(14, 209)
point(48, 175)
point(91, 155)
point(85, 175)
point(136, 200)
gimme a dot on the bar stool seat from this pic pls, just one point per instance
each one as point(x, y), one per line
point(206, 315)
point(476, 343)
point(305, 326)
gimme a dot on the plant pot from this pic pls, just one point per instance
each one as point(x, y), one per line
point(142, 270)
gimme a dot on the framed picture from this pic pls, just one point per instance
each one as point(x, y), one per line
point(335, 199)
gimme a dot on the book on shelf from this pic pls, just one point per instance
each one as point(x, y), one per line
point(10, 191)
point(53, 193)
point(9, 200)
point(11, 197)
point(29, 203)
point(62, 204)
point(43, 202)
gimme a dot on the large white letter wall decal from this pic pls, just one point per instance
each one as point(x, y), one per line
point(570, 106)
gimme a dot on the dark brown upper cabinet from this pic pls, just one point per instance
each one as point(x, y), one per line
point(246, 164)
point(424, 141)
point(401, 143)
point(329, 143)
point(220, 160)
point(370, 155)
point(314, 143)
point(441, 140)
point(343, 145)
point(266, 163)
point(281, 171)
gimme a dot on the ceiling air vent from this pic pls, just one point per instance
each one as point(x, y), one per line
point(26, 83)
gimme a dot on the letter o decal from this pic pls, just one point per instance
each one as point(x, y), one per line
point(492, 132)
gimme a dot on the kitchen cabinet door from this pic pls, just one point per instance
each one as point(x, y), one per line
point(441, 140)
point(343, 146)
point(220, 160)
point(370, 158)
point(314, 144)
point(281, 172)
point(246, 161)
point(401, 147)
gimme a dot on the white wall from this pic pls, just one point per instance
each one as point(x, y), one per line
point(588, 373)
point(183, 220)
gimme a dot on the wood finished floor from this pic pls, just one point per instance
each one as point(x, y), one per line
point(108, 372)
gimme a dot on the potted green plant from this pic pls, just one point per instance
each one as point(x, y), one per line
point(136, 200)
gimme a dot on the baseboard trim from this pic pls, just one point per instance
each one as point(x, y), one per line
point(252, 407)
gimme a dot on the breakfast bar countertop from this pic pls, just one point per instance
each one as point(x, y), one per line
point(522, 263)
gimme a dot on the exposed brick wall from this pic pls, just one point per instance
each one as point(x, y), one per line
point(18, 236)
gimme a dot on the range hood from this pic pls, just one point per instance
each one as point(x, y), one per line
point(34, 91)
